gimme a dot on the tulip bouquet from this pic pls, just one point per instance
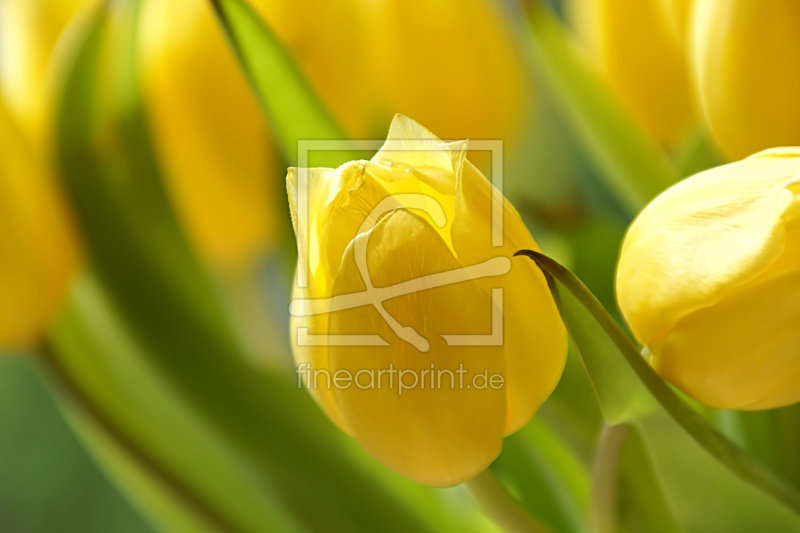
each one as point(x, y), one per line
point(399, 266)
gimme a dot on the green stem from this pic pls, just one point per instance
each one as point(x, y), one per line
point(728, 453)
point(501, 507)
point(605, 488)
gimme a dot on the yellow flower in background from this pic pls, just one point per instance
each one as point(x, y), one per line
point(709, 280)
point(38, 251)
point(634, 46)
point(453, 65)
point(745, 57)
point(38, 248)
point(403, 227)
point(29, 32)
point(679, 15)
point(210, 133)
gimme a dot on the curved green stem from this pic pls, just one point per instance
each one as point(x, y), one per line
point(654, 389)
point(605, 487)
point(501, 507)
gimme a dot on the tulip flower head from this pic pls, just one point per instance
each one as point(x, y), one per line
point(39, 249)
point(636, 47)
point(39, 253)
point(414, 333)
point(430, 60)
point(709, 280)
point(210, 135)
point(745, 56)
point(29, 33)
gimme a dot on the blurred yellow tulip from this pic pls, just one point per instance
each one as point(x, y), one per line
point(745, 57)
point(709, 280)
point(634, 46)
point(679, 14)
point(453, 65)
point(38, 251)
point(29, 31)
point(410, 56)
point(210, 133)
point(416, 221)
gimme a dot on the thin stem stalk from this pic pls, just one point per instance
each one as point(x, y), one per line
point(501, 506)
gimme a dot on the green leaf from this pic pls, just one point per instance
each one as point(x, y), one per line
point(47, 481)
point(543, 474)
point(139, 426)
point(634, 167)
point(643, 504)
point(175, 328)
point(710, 481)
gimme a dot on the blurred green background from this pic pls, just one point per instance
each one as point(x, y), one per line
point(48, 483)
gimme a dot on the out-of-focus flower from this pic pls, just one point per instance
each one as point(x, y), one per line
point(453, 65)
point(38, 251)
point(38, 248)
point(210, 133)
point(394, 232)
point(679, 13)
point(435, 62)
point(29, 31)
point(745, 56)
point(634, 46)
point(709, 279)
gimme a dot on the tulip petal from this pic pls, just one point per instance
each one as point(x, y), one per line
point(39, 252)
point(437, 435)
point(534, 335)
point(325, 192)
point(324, 186)
point(714, 231)
point(753, 362)
point(212, 141)
point(743, 56)
point(410, 143)
point(634, 46)
point(310, 358)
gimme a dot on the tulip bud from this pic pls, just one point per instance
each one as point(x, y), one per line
point(744, 57)
point(709, 280)
point(210, 133)
point(634, 46)
point(38, 252)
point(401, 277)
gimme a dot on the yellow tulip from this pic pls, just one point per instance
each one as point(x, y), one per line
point(709, 280)
point(38, 249)
point(634, 46)
point(453, 65)
point(210, 133)
point(29, 32)
point(38, 252)
point(679, 14)
point(209, 129)
point(745, 56)
point(399, 230)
